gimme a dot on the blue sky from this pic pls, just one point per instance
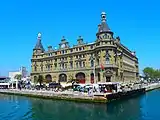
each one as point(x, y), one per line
point(136, 22)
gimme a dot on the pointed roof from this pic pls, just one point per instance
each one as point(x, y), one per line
point(103, 27)
point(39, 44)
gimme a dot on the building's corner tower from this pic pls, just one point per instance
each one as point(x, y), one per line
point(39, 47)
point(104, 31)
point(37, 50)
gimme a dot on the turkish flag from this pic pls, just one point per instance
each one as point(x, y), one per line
point(102, 67)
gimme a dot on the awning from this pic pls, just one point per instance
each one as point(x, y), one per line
point(4, 84)
point(66, 85)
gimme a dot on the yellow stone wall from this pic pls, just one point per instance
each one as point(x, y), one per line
point(126, 63)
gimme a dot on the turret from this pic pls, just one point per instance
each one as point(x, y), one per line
point(103, 28)
point(39, 47)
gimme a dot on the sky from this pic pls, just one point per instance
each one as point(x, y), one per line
point(137, 22)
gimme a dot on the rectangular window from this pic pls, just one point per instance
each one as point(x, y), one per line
point(71, 64)
point(77, 64)
point(80, 64)
point(92, 63)
point(62, 65)
point(97, 61)
point(83, 64)
point(41, 68)
point(107, 60)
point(63, 52)
point(35, 68)
point(55, 65)
point(49, 68)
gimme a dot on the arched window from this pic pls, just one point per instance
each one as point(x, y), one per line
point(48, 78)
point(62, 77)
point(80, 77)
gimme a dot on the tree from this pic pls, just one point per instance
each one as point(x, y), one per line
point(40, 79)
point(18, 76)
point(149, 72)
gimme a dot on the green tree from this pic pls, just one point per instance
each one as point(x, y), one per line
point(40, 79)
point(18, 76)
point(157, 73)
point(149, 72)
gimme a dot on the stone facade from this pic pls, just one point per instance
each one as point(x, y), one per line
point(104, 60)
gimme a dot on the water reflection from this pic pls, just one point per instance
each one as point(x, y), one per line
point(124, 110)
point(13, 107)
point(145, 107)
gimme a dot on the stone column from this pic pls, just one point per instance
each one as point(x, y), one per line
point(102, 77)
point(87, 74)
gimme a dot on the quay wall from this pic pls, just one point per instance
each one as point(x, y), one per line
point(125, 95)
point(80, 97)
point(55, 96)
point(152, 86)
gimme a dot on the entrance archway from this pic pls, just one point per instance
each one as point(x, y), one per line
point(99, 77)
point(62, 77)
point(92, 78)
point(108, 74)
point(48, 78)
point(80, 77)
point(108, 78)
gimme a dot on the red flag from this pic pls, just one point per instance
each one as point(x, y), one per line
point(102, 67)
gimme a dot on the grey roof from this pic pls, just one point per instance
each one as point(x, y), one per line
point(103, 27)
point(39, 45)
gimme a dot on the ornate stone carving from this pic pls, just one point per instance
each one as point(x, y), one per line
point(108, 72)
